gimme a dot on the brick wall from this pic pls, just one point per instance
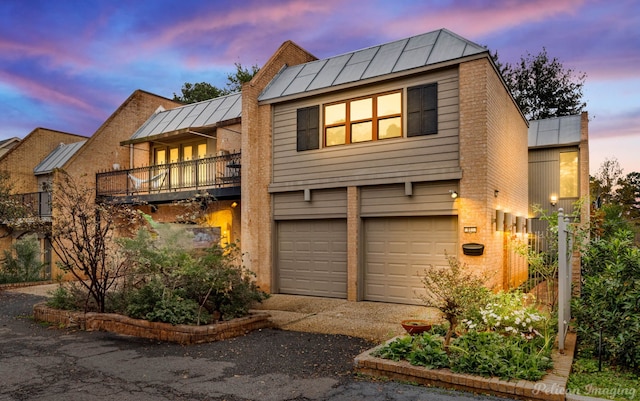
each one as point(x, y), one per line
point(493, 156)
point(22, 159)
point(257, 226)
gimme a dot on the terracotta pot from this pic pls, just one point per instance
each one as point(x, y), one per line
point(415, 326)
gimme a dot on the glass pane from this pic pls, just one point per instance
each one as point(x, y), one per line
point(187, 152)
point(335, 114)
point(335, 136)
point(161, 156)
point(361, 132)
point(389, 128)
point(389, 104)
point(202, 150)
point(569, 175)
point(174, 154)
point(361, 109)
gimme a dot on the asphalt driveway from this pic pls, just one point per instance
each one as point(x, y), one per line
point(38, 362)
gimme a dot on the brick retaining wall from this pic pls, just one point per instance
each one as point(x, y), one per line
point(182, 334)
point(552, 387)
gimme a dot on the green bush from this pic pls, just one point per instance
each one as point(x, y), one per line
point(22, 262)
point(67, 296)
point(610, 300)
point(168, 279)
point(426, 349)
point(155, 303)
point(508, 357)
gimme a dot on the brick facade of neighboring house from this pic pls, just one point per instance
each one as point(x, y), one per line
point(20, 161)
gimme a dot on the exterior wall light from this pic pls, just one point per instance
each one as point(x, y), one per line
point(554, 200)
point(454, 193)
point(499, 220)
point(234, 204)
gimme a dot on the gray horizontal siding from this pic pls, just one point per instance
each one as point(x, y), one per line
point(330, 203)
point(428, 199)
point(432, 157)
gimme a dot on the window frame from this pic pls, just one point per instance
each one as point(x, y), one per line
point(575, 167)
point(374, 119)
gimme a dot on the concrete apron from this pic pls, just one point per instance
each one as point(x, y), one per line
point(373, 321)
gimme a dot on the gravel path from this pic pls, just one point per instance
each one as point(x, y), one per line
point(48, 363)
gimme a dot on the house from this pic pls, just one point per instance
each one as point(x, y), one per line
point(7, 144)
point(559, 164)
point(19, 164)
point(559, 173)
point(34, 163)
point(363, 169)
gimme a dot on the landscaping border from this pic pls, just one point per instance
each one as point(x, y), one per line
point(552, 387)
point(182, 334)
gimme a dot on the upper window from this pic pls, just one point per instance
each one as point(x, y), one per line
point(568, 174)
point(422, 110)
point(365, 119)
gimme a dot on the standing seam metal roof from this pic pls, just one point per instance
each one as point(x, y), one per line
point(195, 115)
point(57, 158)
point(402, 55)
point(555, 131)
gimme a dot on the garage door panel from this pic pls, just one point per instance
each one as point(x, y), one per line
point(311, 257)
point(399, 249)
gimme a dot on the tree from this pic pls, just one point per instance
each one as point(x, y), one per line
point(628, 197)
point(542, 87)
point(603, 184)
point(82, 233)
point(193, 93)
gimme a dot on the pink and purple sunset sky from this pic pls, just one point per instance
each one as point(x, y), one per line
point(68, 65)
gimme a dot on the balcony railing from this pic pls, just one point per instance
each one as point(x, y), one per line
point(36, 203)
point(205, 173)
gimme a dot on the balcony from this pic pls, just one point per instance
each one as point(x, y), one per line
point(219, 176)
point(36, 204)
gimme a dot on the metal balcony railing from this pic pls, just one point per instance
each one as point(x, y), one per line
point(36, 203)
point(209, 172)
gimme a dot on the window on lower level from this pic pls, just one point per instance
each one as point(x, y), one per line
point(569, 174)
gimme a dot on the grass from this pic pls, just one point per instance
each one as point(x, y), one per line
point(609, 383)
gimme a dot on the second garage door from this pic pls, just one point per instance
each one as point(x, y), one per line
point(398, 249)
point(311, 257)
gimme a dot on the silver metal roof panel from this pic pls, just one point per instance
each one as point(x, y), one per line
point(304, 76)
point(556, 131)
point(402, 55)
point(195, 115)
point(327, 75)
point(57, 158)
point(385, 59)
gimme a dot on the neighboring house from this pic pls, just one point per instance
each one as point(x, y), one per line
point(8, 144)
point(559, 172)
point(82, 159)
point(19, 163)
point(361, 170)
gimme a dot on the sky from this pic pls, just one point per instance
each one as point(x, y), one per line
point(67, 65)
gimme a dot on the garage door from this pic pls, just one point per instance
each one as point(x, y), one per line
point(311, 257)
point(398, 249)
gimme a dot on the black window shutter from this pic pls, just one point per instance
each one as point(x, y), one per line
point(422, 110)
point(308, 121)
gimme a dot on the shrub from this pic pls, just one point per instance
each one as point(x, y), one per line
point(67, 296)
point(154, 302)
point(22, 262)
point(455, 291)
point(610, 300)
point(508, 357)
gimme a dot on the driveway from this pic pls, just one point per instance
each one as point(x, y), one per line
point(48, 363)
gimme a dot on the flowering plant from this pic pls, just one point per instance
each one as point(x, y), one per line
point(507, 314)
